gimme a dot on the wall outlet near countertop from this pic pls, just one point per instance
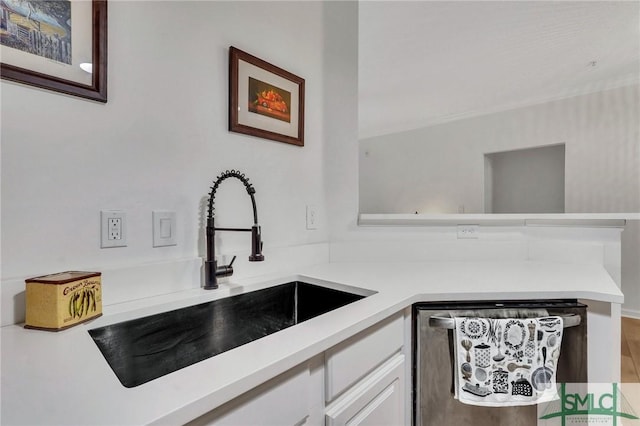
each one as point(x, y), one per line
point(312, 216)
point(113, 228)
point(468, 232)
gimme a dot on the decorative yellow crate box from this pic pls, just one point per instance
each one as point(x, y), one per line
point(58, 301)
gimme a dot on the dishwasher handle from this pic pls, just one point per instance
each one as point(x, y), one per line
point(437, 321)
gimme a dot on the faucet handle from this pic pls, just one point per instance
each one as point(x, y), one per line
point(225, 270)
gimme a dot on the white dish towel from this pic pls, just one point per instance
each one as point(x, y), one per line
point(507, 361)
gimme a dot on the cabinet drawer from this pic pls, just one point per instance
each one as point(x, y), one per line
point(377, 400)
point(351, 360)
point(283, 400)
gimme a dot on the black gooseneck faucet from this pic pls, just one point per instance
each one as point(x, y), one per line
point(211, 268)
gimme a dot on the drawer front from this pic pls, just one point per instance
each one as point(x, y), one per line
point(351, 360)
point(377, 400)
point(284, 400)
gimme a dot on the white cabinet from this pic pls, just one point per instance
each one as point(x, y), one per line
point(353, 359)
point(367, 376)
point(283, 400)
point(361, 381)
point(376, 400)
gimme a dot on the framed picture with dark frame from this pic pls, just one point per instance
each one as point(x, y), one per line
point(265, 100)
point(56, 45)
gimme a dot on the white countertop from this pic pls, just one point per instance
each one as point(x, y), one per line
point(492, 219)
point(62, 378)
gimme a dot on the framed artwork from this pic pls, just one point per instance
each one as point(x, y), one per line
point(264, 100)
point(43, 44)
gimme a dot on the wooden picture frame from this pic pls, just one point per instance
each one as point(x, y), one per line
point(88, 33)
point(265, 100)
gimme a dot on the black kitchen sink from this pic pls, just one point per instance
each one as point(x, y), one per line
point(144, 349)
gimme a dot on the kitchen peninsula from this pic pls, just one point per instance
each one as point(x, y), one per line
point(66, 373)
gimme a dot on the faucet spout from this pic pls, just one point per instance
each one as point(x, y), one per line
point(212, 270)
point(256, 245)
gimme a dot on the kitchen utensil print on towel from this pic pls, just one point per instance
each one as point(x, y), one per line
point(514, 335)
point(482, 354)
point(506, 361)
point(541, 376)
point(530, 347)
point(474, 328)
point(500, 381)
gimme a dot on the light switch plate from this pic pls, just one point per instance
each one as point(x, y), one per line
point(164, 228)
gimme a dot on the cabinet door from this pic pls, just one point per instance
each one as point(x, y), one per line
point(350, 361)
point(378, 400)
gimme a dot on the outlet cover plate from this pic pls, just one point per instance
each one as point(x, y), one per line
point(113, 228)
point(312, 216)
point(468, 232)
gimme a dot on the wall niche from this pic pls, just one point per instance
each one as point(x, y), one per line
point(525, 180)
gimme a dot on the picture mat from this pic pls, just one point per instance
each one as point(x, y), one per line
point(247, 118)
point(81, 49)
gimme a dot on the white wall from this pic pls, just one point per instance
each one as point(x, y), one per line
point(341, 149)
point(439, 168)
point(445, 168)
point(631, 269)
point(161, 139)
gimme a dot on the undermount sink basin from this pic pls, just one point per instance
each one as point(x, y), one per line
point(144, 349)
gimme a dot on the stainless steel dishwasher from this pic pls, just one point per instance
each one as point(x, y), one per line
point(433, 400)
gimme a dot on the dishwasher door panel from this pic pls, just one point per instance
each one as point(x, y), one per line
point(434, 404)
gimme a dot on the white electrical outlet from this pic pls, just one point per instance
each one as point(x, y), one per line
point(113, 228)
point(312, 216)
point(468, 231)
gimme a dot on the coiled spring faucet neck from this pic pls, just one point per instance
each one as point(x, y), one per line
point(212, 271)
point(240, 176)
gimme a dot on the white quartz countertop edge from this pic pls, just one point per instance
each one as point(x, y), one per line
point(61, 378)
